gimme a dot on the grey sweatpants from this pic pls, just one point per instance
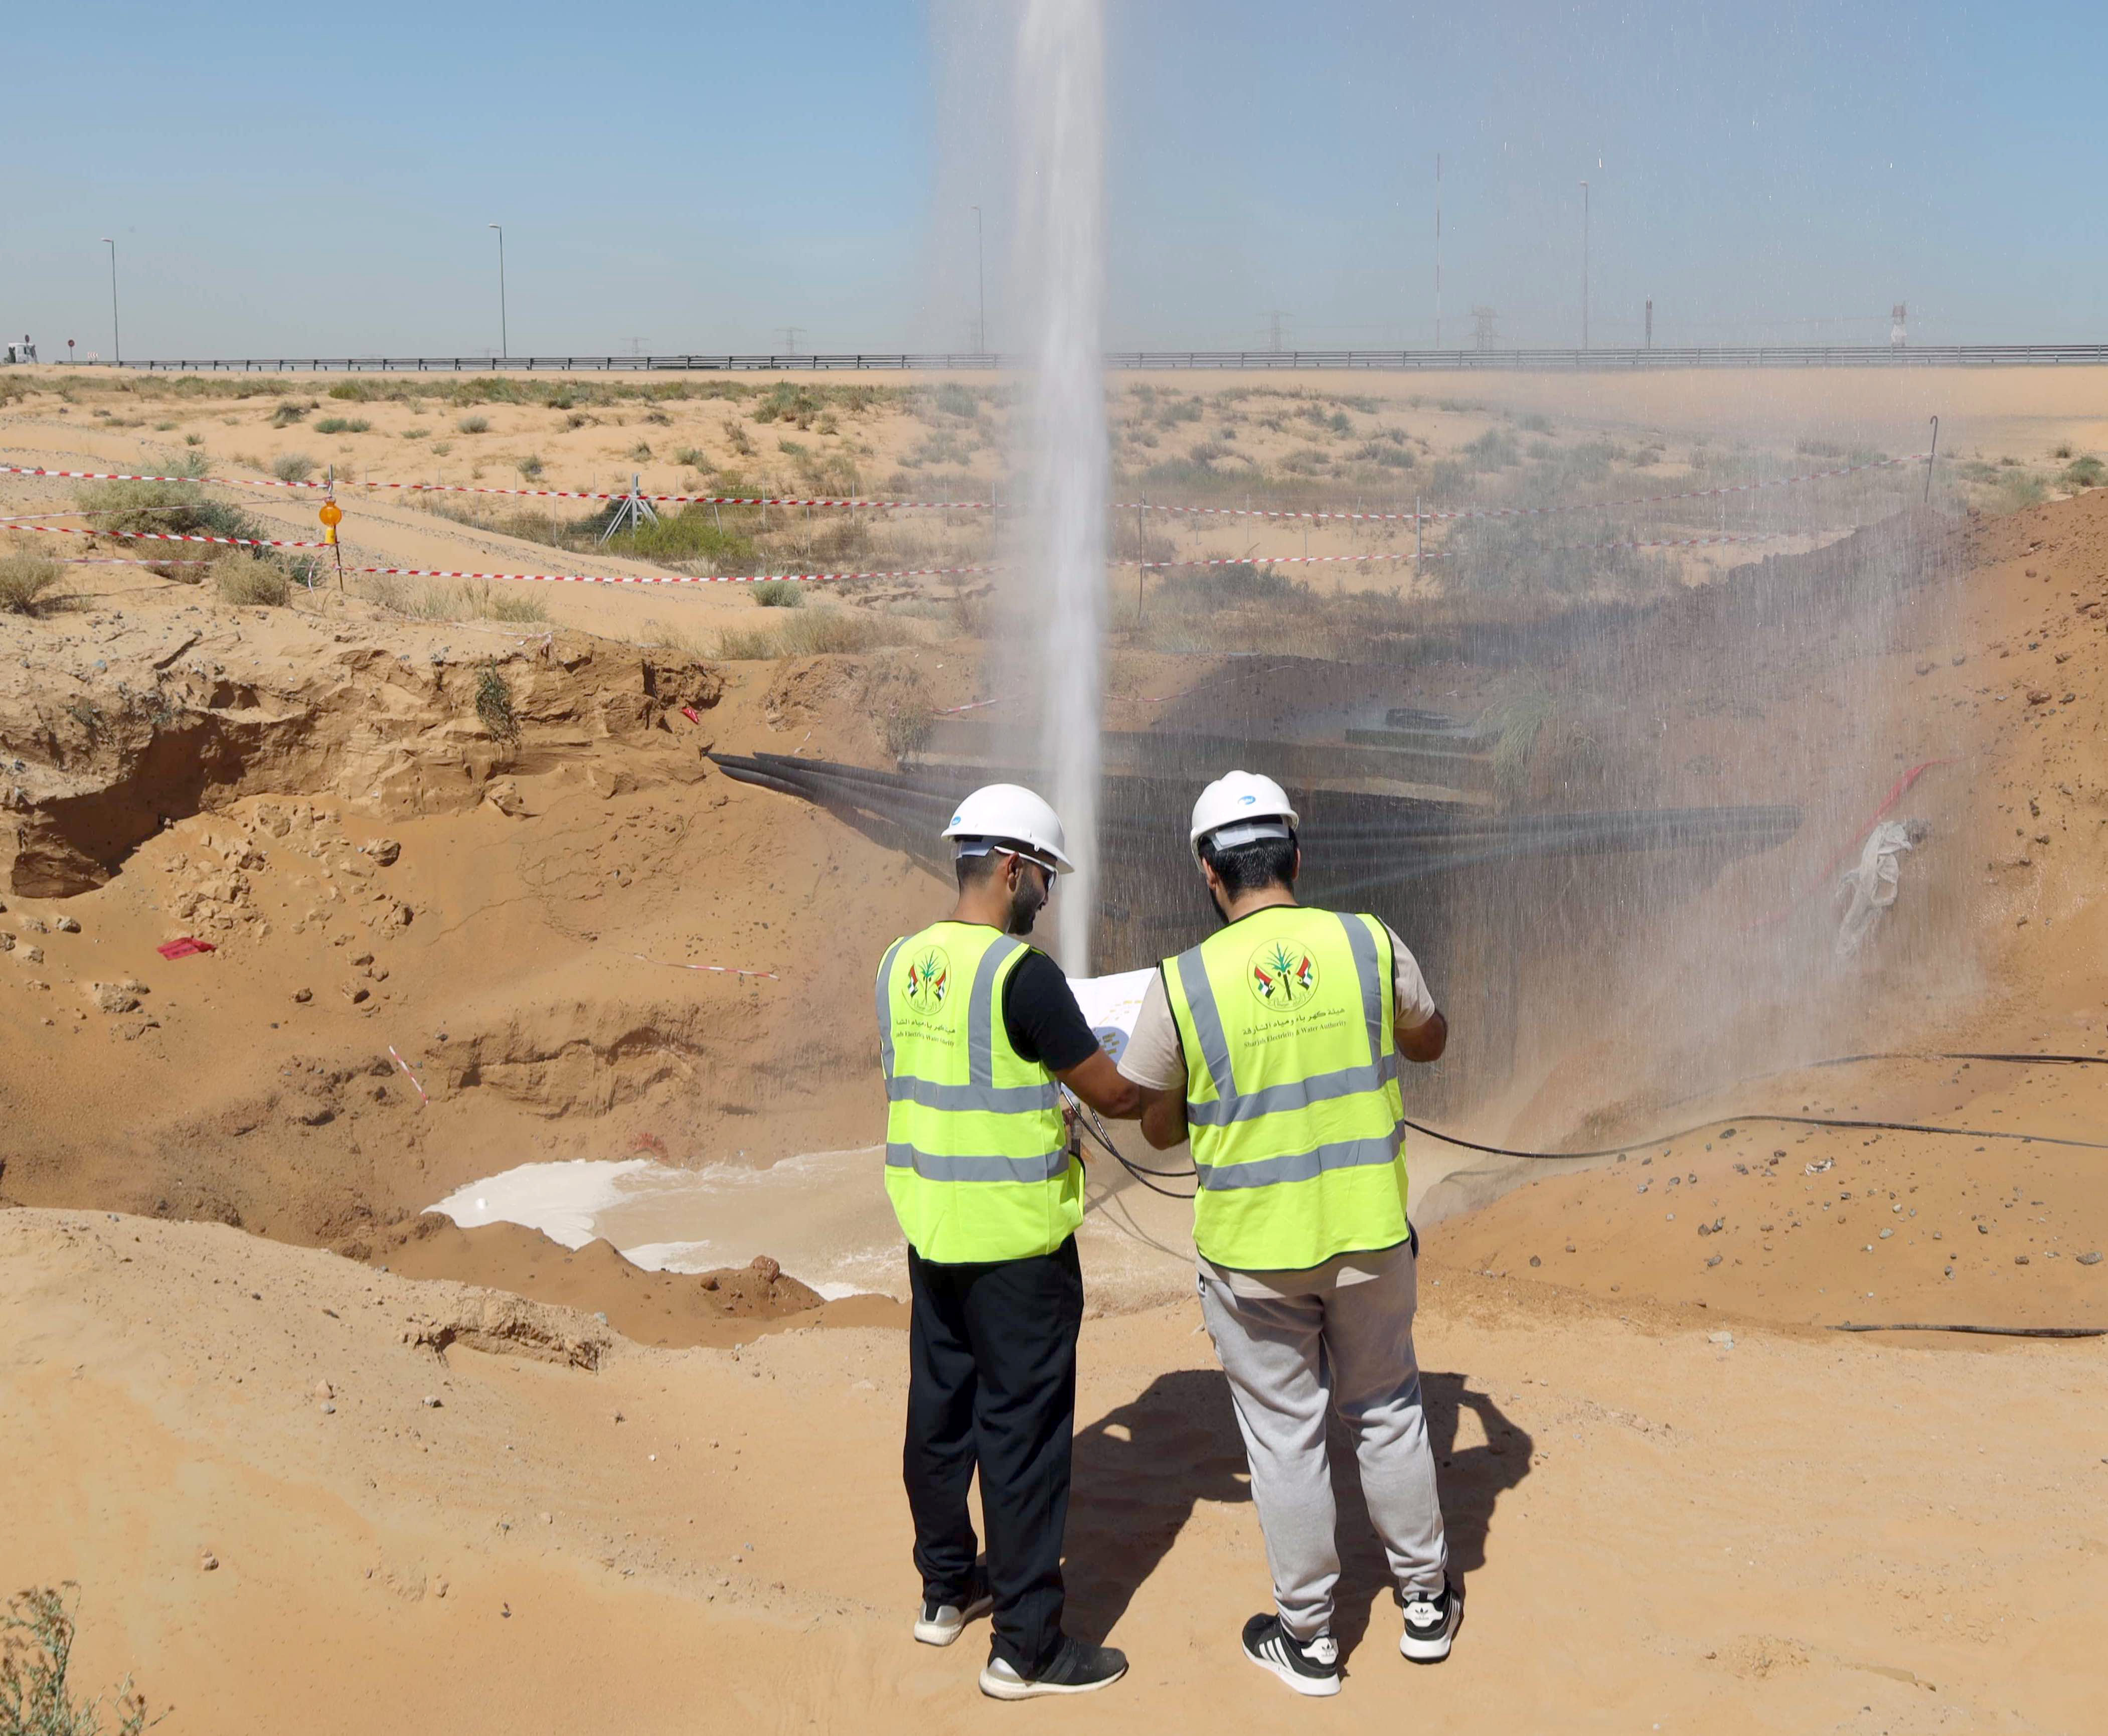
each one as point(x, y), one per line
point(1286, 1355)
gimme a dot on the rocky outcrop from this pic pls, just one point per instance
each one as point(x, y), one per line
point(113, 728)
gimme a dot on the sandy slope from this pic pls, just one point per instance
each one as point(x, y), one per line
point(1788, 1534)
point(1987, 1231)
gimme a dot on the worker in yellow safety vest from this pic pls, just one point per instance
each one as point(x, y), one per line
point(975, 1028)
point(1274, 1046)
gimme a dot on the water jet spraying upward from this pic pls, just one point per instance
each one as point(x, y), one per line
point(1060, 266)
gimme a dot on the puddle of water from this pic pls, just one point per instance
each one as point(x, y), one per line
point(823, 1215)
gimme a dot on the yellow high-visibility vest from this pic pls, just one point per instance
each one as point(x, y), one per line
point(1292, 1099)
point(977, 1162)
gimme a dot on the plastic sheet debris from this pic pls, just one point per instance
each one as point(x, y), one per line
point(1870, 888)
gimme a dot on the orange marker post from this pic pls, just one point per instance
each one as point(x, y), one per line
point(333, 515)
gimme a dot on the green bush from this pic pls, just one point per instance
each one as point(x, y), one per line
point(292, 467)
point(474, 425)
point(786, 401)
point(693, 533)
point(180, 507)
point(1384, 452)
point(2083, 473)
point(343, 425)
point(1495, 450)
point(494, 705)
point(779, 593)
point(1241, 582)
point(286, 414)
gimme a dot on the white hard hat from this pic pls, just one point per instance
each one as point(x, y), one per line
point(1240, 808)
point(1005, 814)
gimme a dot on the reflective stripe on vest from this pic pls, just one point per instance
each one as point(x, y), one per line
point(1292, 1102)
point(977, 1164)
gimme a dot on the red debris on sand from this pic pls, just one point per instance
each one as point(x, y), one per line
point(184, 947)
point(689, 713)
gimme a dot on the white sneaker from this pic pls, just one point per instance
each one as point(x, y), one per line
point(1431, 1621)
point(939, 1624)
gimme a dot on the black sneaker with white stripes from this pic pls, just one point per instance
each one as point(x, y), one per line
point(1431, 1621)
point(1309, 1667)
point(941, 1620)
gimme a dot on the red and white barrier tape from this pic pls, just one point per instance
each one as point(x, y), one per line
point(1279, 560)
point(171, 536)
point(405, 1066)
point(1578, 505)
point(466, 488)
point(1437, 554)
point(947, 572)
point(720, 970)
point(971, 506)
point(1136, 699)
point(914, 572)
point(1701, 542)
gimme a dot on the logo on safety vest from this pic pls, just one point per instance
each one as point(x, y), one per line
point(928, 979)
point(1282, 977)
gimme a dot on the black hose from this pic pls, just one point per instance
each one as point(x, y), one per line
point(1796, 1121)
point(1088, 1120)
point(1097, 1131)
point(1988, 1332)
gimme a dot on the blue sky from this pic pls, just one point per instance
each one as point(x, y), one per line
point(697, 177)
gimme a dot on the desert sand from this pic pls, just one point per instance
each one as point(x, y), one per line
point(670, 1499)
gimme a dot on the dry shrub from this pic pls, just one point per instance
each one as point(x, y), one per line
point(898, 696)
point(243, 581)
point(493, 603)
point(25, 575)
point(36, 1653)
point(813, 633)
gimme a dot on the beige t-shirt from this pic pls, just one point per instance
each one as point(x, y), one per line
point(1153, 1057)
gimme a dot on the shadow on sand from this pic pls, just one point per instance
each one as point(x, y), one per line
point(1140, 1469)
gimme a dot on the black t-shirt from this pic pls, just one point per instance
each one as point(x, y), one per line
point(1040, 1013)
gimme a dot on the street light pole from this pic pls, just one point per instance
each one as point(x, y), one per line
point(981, 273)
point(116, 335)
point(504, 336)
point(1584, 264)
point(1437, 250)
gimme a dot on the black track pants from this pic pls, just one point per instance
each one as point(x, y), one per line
point(992, 1383)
